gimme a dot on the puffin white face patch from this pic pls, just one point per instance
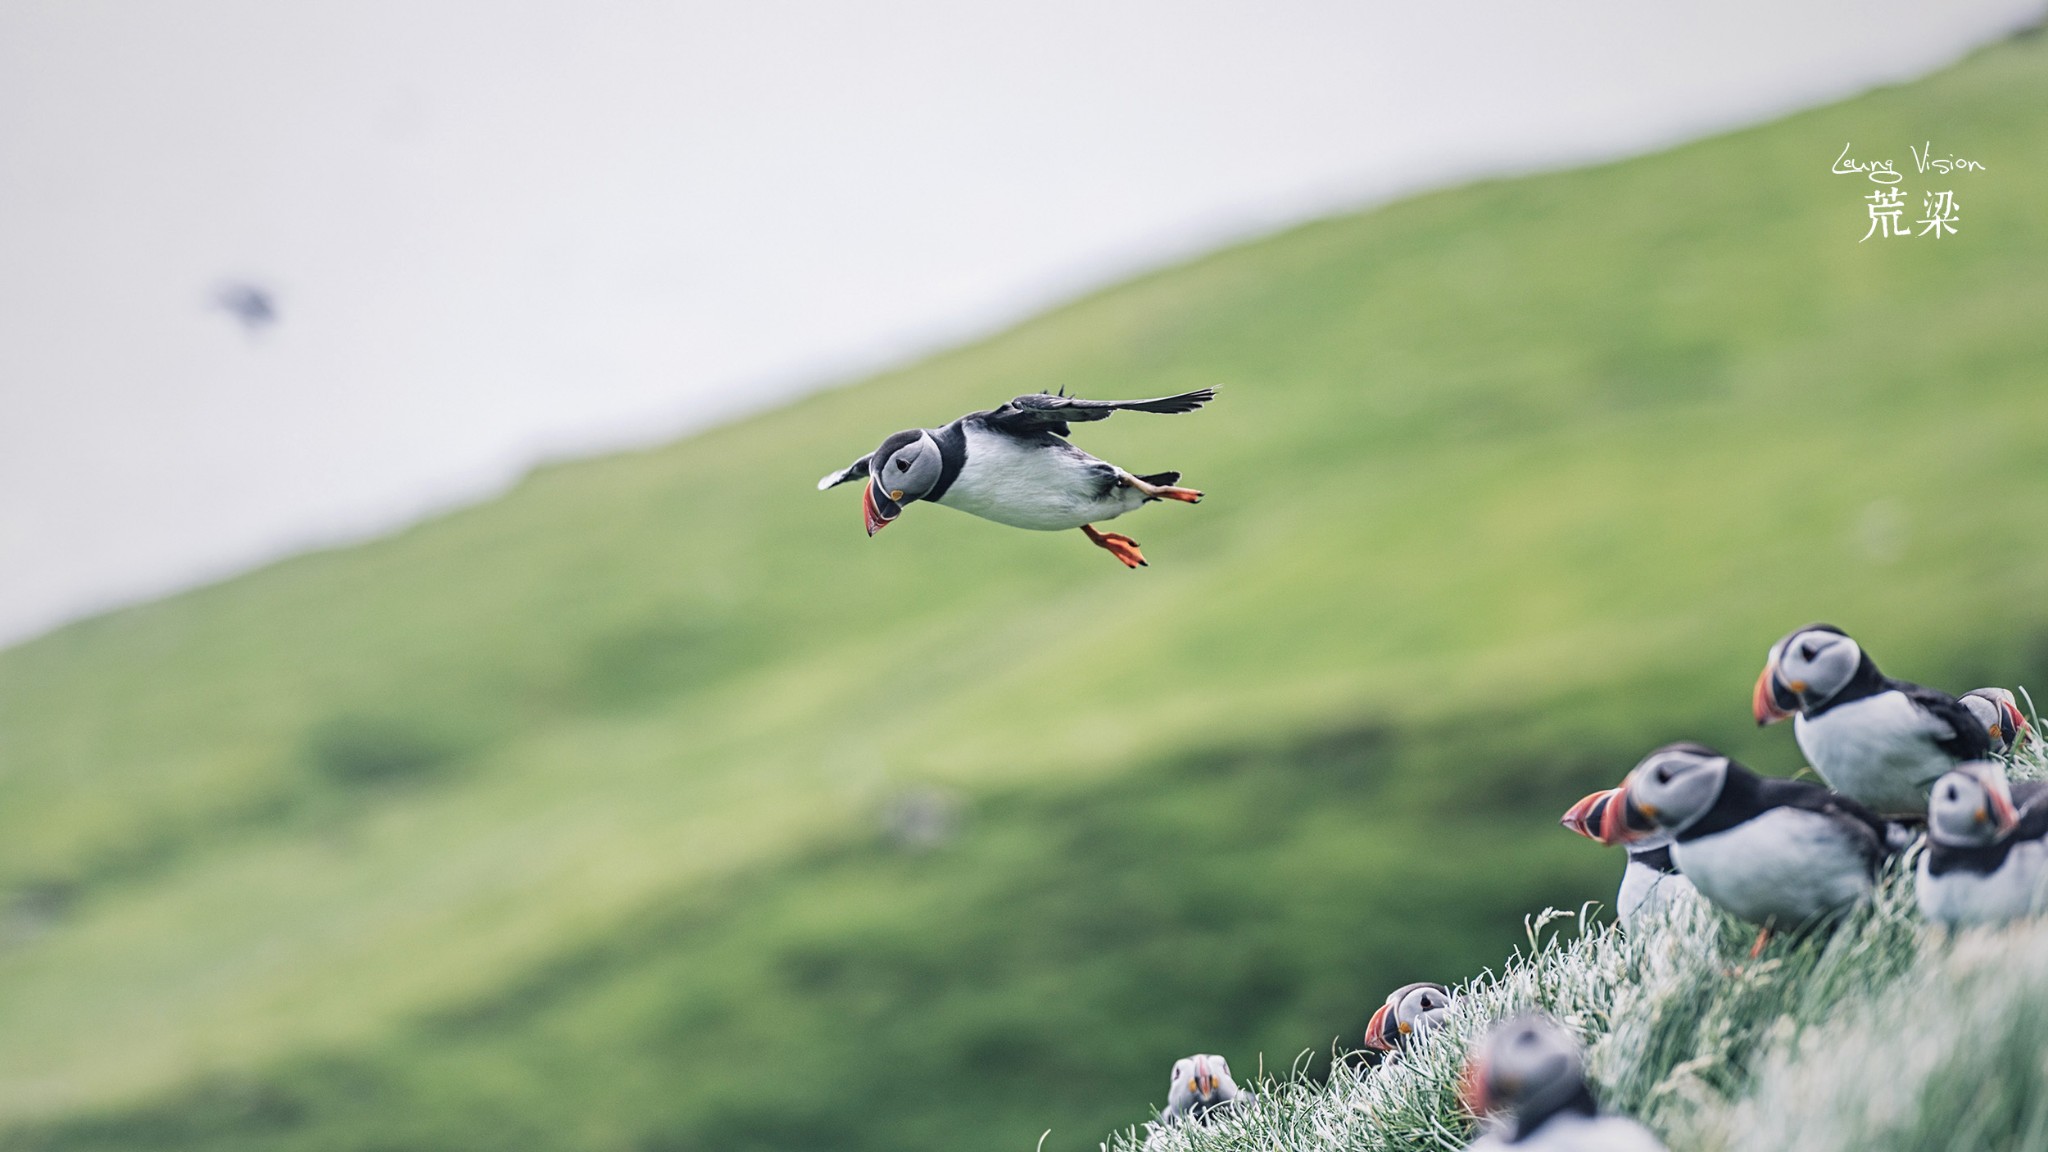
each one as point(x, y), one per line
point(1959, 812)
point(1422, 1009)
point(1676, 786)
point(1199, 1078)
point(912, 471)
point(1816, 664)
point(1531, 1061)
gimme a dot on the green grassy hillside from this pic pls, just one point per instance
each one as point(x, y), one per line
point(564, 822)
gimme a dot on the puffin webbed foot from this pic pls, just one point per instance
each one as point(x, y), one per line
point(1118, 545)
point(1153, 491)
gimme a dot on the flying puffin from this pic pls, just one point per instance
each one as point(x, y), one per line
point(1527, 1076)
point(1651, 882)
point(1999, 711)
point(1881, 742)
point(1013, 465)
point(1411, 1012)
point(1986, 859)
point(252, 304)
point(1201, 1087)
point(1778, 853)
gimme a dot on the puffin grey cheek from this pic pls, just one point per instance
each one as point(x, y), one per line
point(1988, 712)
point(1695, 792)
point(1676, 790)
point(1958, 812)
point(1832, 663)
point(912, 471)
point(926, 466)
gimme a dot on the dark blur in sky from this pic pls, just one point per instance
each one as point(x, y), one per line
point(487, 232)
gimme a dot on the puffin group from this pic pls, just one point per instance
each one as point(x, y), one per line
point(1904, 769)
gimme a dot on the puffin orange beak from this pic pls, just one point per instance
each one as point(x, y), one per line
point(876, 521)
point(2004, 816)
point(2015, 722)
point(1373, 1039)
point(1764, 701)
point(1472, 1091)
point(1582, 817)
point(1614, 826)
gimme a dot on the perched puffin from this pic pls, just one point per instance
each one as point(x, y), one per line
point(1773, 852)
point(1999, 711)
point(1201, 1087)
point(1013, 465)
point(1986, 860)
point(1411, 1011)
point(1880, 742)
point(1651, 882)
point(1528, 1077)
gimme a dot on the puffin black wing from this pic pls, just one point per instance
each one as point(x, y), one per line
point(1045, 413)
point(854, 471)
point(1967, 739)
point(2033, 823)
point(1872, 832)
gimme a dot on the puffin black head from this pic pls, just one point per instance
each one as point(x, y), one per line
point(1971, 807)
point(1672, 787)
point(1410, 1010)
point(1999, 712)
point(1420, 1009)
point(1805, 670)
point(905, 468)
point(1528, 1068)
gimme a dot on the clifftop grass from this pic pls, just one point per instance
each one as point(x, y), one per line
point(1886, 1034)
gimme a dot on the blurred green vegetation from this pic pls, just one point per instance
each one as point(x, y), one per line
point(654, 807)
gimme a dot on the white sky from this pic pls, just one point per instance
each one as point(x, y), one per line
point(499, 231)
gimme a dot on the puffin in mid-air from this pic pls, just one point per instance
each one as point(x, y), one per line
point(1778, 853)
point(1528, 1080)
point(1987, 848)
point(252, 304)
point(1651, 882)
point(1999, 711)
point(1201, 1086)
point(1881, 742)
point(1013, 465)
point(1411, 1012)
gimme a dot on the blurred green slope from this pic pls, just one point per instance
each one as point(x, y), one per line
point(556, 822)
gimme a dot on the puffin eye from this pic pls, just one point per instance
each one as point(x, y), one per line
point(901, 466)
